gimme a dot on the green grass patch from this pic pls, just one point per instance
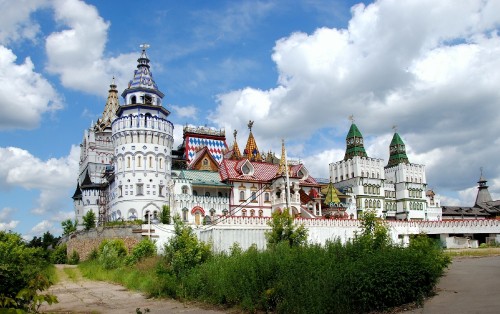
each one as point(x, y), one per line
point(72, 273)
point(480, 252)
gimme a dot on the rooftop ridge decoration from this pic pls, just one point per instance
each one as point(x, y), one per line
point(204, 130)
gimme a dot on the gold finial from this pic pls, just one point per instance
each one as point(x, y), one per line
point(144, 46)
point(351, 118)
point(250, 125)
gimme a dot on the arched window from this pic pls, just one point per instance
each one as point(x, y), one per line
point(128, 162)
point(219, 194)
point(161, 163)
point(366, 203)
point(212, 212)
point(242, 195)
point(252, 212)
point(195, 193)
point(133, 99)
point(254, 197)
point(224, 212)
point(185, 214)
point(150, 162)
point(139, 161)
point(207, 193)
point(261, 213)
point(266, 197)
point(185, 189)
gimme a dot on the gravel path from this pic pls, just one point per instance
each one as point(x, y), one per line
point(79, 295)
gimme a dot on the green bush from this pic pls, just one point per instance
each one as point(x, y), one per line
point(59, 255)
point(283, 229)
point(23, 274)
point(184, 251)
point(111, 253)
point(145, 248)
point(74, 259)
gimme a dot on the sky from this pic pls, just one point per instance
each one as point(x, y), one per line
point(298, 68)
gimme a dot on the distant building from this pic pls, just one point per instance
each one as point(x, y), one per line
point(394, 191)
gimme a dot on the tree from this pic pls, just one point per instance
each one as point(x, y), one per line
point(22, 275)
point(165, 215)
point(283, 229)
point(374, 233)
point(89, 220)
point(68, 226)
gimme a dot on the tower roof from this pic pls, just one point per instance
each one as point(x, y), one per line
point(354, 143)
point(143, 77)
point(282, 168)
point(110, 108)
point(397, 152)
point(483, 195)
point(251, 151)
point(235, 154)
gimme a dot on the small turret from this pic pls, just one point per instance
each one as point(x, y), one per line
point(397, 152)
point(354, 143)
point(483, 195)
point(251, 151)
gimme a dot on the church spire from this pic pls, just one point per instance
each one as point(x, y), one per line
point(354, 142)
point(483, 195)
point(110, 109)
point(236, 150)
point(282, 168)
point(142, 87)
point(251, 151)
point(397, 152)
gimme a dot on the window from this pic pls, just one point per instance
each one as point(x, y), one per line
point(245, 169)
point(161, 163)
point(160, 190)
point(195, 193)
point(219, 194)
point(207, 193)
point(266, 197)
point(205, 162)
point(139, 189)
point(139, 161)
point(261, 213)
point(244, 213)
point(150, 162)
point(133, 99)
point(242, 195)
point(254, 197)
point(184, 189)
point(212, 212)
point(148, 99)
point(252, 212)
point(185, 214)
point(128, 162)
point(224, 212)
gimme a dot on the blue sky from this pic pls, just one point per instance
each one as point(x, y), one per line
point(298, 68)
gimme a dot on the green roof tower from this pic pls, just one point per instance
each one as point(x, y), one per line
point(354, 143)
point(397, 152)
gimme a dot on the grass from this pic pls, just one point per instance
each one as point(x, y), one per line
point(72, 273)
point(140, 277)
point(481, 252)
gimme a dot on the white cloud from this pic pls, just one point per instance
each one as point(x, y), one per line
point(6, 223)
point(429, 67)
point(185, 111)
point(16, 23)
point(54, 178)
point(24, 94)
point(76, 53)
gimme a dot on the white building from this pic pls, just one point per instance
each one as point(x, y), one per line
point(395, 191)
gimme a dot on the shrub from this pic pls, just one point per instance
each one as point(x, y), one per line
point(184, 251)
point(145, 248)
point(69, 226)
point(74, 259)
point(59, 255)
point(165, 215)
point(283, 229)
point(111, 253)
point(89, 220)
point(23, 275)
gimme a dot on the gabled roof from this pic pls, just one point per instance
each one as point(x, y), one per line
point(193, 143)
point(198, 177)
point(200, 155)
point(78, 193)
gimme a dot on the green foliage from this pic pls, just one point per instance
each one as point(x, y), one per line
point(165, 215)
point(284, 230)
point(145, 248)
point(111, 253)
point(59, 255)
point(120, 222)
point(374, 233)
point(69, 226)
point(74, 259)
point(23, 274)
point(93, 254)
point(89, 220)
point(184, 251)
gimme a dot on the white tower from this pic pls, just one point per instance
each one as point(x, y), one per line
point(142, 141)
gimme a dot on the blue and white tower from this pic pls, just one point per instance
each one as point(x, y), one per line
point(142, 139)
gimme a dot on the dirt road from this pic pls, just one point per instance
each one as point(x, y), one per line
point(79, 295)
